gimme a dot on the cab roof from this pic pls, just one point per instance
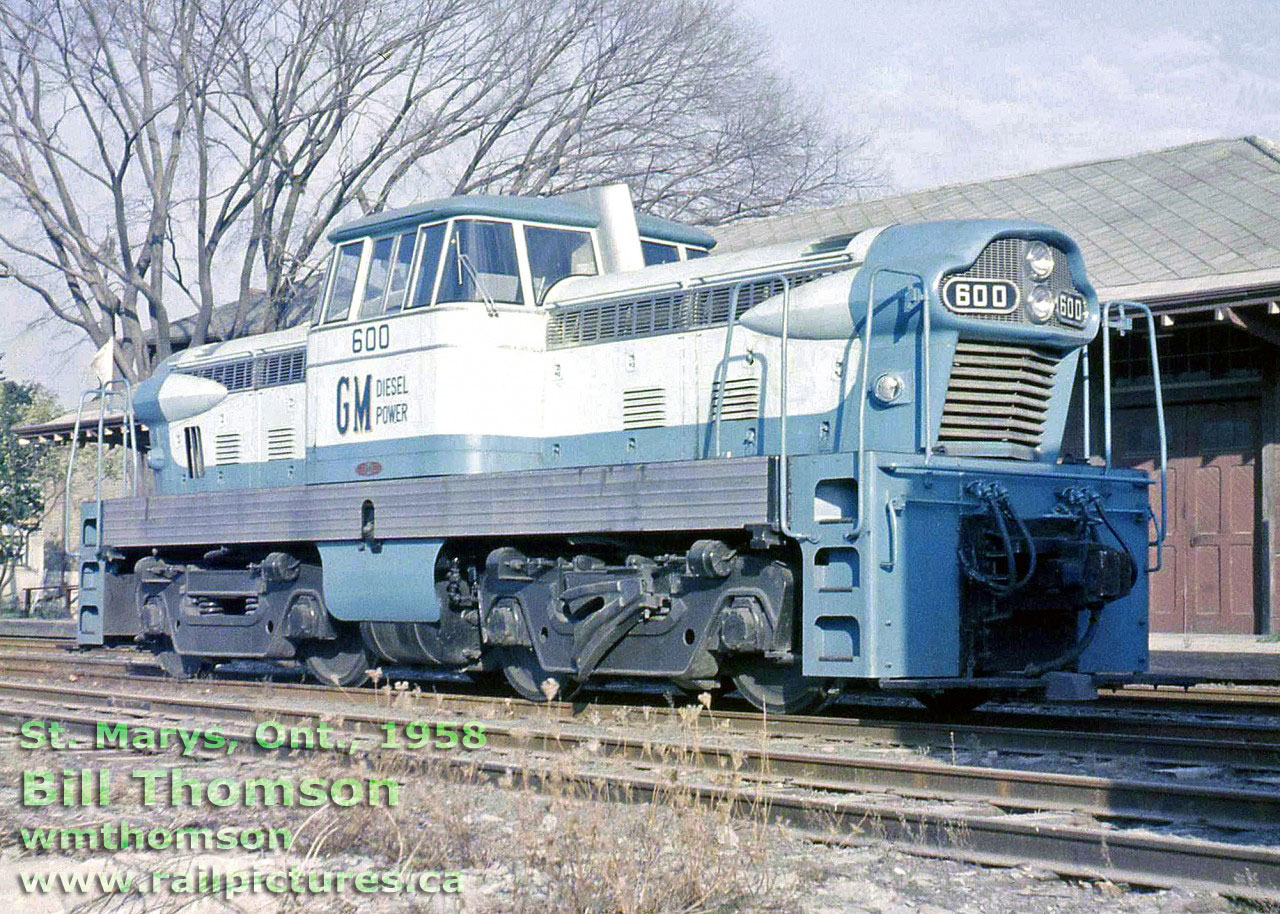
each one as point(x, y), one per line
point(532, 209)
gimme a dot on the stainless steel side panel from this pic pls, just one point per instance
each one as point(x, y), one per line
point(695, 495)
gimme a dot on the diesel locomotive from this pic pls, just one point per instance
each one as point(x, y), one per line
point(559, 440)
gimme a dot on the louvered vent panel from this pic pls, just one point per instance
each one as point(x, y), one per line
point(226, 448)
point(282, 368)
point(237, 375)
point(667, 312)
point(741, 399)
point(644, 407)
point(244, 373)
point(280, 443)
point(998, 394)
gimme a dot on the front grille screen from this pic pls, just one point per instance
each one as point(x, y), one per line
point(1004, 259)
point(999, 394)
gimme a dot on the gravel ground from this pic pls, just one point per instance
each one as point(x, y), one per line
point(525, 852)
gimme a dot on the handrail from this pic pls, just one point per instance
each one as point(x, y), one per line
point(1086, 438)
point(1162, 523)
point(106, 393)
point(718, 403)
point(864, 469)
point(784, 507)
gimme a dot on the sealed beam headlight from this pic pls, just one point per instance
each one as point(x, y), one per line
point(1039, 260)
point(1040, 304)
point(888, 388)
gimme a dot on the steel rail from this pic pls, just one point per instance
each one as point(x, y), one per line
point(1153, 740)
point(1078, 850)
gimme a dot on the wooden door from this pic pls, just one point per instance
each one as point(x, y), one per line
point(1207, 582)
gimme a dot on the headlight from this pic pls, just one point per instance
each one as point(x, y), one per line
point(1040, 304)
point(1039, 260)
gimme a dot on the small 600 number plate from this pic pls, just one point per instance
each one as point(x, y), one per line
point(980, 296)
point(1072, 309)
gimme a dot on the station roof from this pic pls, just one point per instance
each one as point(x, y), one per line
point(532, 209)
point(1173, 224)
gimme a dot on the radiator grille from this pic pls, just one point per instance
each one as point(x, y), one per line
point(998, 394)
point(246, 373)
point(226, 448)
point(663, 312)
point(280, 443)
point(236, 375)
point(282, 368)
point(741, 399)
point(644, 407)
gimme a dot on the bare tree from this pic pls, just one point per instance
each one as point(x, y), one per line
point(172, 154)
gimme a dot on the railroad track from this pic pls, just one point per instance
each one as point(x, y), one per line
point(1077, 825)
point(1155, 740)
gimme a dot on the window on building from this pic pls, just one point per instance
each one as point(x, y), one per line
point(695, 253)
point(481, 264)
point(345, 273)
point(656, 252)
point(429, 263)
point(1189, 354)
point(555, 254)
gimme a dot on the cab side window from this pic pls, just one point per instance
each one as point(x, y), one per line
point(481, 264)
point(429, 265)
point(375, 280)
point(555, 254)
point(655, 252)
point(345, 274)
point(388, 276)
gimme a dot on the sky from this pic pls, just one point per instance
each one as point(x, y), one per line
point(951, 92)
point(971, 89)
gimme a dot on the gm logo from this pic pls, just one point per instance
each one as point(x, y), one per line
point(354, 413)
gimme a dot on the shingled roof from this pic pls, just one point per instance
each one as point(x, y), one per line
point(1174, 223)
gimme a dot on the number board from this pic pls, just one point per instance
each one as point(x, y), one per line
point(980, 296)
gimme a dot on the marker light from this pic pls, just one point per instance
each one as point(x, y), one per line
point(1039, 260)
point(1040, 304)
point(888, 387)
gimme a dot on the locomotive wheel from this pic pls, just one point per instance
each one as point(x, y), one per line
point(179, 666)
point(344, 661)
point(953, 701)
point(528, 677)
point(779, 689)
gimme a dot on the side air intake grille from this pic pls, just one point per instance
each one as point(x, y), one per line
point(280, 443)
point(741, 399)
point(226, 448)
point(644, 408)
point(663, 312)
point(999, 394)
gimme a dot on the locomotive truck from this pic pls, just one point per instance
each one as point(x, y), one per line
point(555, 439)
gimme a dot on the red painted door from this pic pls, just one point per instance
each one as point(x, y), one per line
point(1207, 581)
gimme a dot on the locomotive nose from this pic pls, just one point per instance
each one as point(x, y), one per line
point(819, 310)
point(174, 396)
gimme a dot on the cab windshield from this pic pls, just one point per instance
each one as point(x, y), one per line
point(481, 264)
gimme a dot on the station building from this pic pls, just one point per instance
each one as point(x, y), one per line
point(1194, 232)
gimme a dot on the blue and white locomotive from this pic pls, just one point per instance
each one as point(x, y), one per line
point(553, 438)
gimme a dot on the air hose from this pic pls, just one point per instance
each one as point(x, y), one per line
point(996, 499)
